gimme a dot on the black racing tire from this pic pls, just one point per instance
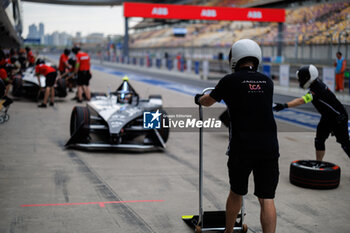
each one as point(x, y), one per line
point(80, 115)
point(154, 97)
point(164, 132)
point(17, 87)
point(61, 89)
point(95, 94)
point(314, 174)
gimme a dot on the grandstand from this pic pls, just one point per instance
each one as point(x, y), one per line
point(315, 24)
point(313, 31)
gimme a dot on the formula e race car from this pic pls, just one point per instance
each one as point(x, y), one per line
point(116, 121)
point(28, 85)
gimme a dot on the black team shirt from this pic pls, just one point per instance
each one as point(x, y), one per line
point(248, 95)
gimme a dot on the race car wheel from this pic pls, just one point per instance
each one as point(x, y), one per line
point(314, 174)
point(61, 89)
point(96, 94)
point(80, 115)
point(17, 87)
point(164, 132)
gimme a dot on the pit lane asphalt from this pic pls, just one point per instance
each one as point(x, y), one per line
point(143, 192)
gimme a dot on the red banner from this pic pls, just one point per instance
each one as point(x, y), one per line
point(167, 11)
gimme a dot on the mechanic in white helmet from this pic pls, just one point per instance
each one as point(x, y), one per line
point(253, 135)
point(334, 118)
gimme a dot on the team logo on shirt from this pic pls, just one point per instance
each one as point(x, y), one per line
point(254, 87)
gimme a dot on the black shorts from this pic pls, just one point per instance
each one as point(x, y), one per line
point(337, 126)
point(265, 171)
point(83, 78)
point(50, 79)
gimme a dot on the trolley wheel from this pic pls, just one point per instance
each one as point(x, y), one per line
point(198, 229)
point(7, 117)
point(245, 228)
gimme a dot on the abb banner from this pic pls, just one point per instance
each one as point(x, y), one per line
point(167, 11)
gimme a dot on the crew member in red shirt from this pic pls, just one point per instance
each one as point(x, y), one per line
point(63, 65)
point(30, 57)
point(82, 68)
point(5, 80)
point(50, 74)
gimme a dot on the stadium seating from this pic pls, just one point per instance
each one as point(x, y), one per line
point(309, 24)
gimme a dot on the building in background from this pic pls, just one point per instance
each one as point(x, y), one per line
point(36, 33)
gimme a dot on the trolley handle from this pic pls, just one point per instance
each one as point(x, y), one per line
point(200, 220)
point(207, 89)
point(200, 106)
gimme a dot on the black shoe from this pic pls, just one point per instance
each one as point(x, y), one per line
point(51, 103)
point(42, 105)
point(79, 101)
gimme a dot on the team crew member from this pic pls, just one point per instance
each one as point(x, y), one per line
point(63, 65)
point(50, 74)
point(340, 66)
point(334, 118)
point(253, 135)
point(30, 57)
point(82, 68)
point(4, 77)
point(5, 81)
point(70, 76)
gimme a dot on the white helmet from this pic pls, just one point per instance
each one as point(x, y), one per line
point(306, 75)
point(244, 48)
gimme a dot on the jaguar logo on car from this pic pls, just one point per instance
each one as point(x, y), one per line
point(160, 11)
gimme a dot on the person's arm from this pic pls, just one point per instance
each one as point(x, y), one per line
point(76, 67)
point(214, 96)
point(207, 100)
point(343, 66)
point(38, 77)
point(67, 64)
point(294, 103)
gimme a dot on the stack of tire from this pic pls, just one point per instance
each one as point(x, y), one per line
point(314, 174)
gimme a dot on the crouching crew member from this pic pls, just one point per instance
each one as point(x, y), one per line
point(334, 118)
point(50, 74)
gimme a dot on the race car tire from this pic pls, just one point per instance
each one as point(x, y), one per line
point(17, 87)
point(314, 174)
point(164, 132)
point(95, 94)
point(61, 89)
point(155, 97)
point(80, 115)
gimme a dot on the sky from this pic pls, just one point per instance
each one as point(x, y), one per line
point(72, 19)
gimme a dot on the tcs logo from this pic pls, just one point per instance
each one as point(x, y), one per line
point(254, 87)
